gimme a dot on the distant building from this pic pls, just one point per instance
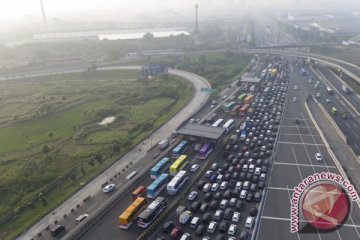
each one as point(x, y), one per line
point(154, 70)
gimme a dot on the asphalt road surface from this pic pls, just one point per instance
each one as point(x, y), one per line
point(294, 160)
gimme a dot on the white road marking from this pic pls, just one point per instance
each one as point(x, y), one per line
point(95, 204)
point(301, 164)
point(297, 134)
point(305, 144)
point(288, 219)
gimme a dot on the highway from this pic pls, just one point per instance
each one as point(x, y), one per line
point(93, 188)
point(294, 160)
point(350, 126)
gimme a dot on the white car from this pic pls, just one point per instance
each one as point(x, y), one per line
point(236, 217)
point(224, 97)
point(296, 87)
point(81, 218)
point(232, 229)
point(194, 167)
point(108, 188)
point(318, 157)
point(294, 99)
point(192, 120)
point(328, 100)
point(215, 187)
point(192, 195)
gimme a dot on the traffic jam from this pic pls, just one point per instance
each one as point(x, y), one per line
point(220, 184)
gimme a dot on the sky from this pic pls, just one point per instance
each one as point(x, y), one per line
point(29, 10)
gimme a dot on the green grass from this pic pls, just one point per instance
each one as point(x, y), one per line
point(139, 105)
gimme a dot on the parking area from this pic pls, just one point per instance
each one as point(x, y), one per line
point(295, 160)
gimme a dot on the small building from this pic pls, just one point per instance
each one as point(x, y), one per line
point(154, 69)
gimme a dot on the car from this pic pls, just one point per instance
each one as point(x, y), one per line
point(249, 222)
point(200, 230)
point(318, 157)
point(296, 87)
point(215, 187)
point(328, 100)
point(192, 120)
point(209, 173)
point(81, 218)
point(212, 226)
point(208, 196)
point(253, 211)
point(212, 106)
point(243, 194)
point(176, 233)
point(185, 236)
point(195, 206)
point(236, 217)
point(168, 227)
point(232, 229)
point(194, 167)
point(207, 187)
point(224, 97)
point(108, 188)
point(192, 195)
point(244, 235)
point(56, 230)
point(218, 215)
point(224, 225)
point(249, 197)
point(223, 185)
point(203, 207)
point(317, 95)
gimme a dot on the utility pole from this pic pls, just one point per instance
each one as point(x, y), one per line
point(43, 12)
point(196, 25)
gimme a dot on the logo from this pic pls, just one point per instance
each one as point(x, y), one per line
point(325, 206)
point(321, 203)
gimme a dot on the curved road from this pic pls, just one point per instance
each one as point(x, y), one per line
point(135, 156)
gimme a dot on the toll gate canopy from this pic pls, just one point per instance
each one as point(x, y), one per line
point(201, 131)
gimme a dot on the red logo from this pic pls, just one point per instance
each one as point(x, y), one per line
point(325, 206)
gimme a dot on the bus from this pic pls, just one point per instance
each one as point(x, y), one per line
point(159, 168)
point(228, 106)
point(151, 212)
point(205, 151)
point(243, 109)
point(211, 118)
point(229, 125)
point(179, 149)
point(235, 110)
point(241, 97)
point(248, 98)
point(138, 192)
point(177, 182)
point(154, 189)
point(128, 216)
point(178, 165)
point(218, 122)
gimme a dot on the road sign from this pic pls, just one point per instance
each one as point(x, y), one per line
point(208, 90)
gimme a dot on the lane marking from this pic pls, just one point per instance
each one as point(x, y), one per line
point(304, 144)
point(297, 134)
point(291, 126)
point(301, 164)
point(288, 219)
point(95, 204)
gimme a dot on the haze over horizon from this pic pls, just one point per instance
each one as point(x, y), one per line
point(25, 12)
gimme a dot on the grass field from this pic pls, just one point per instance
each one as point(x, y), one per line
point(62, 112)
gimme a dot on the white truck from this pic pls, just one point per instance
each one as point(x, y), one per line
point(185, 217)
point(346, 89)
point(164, 143)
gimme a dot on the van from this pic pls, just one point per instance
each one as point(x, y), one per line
point(57, 230)
point(249, 222)
point(212, 226)
point(195, 222)
point(81, 218)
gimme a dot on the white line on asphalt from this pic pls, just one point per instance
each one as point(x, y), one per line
point(89, 209)
point(291, 126)
point(279, 188)
point(288, 219)
point(301, 164)
point(305, 144)
point(297, 134)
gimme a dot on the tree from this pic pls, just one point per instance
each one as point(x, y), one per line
point(45, 149)
point(148, 37)
point(50, 135)
point(116, 147)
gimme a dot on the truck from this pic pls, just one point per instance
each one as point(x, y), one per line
point(346, 89)
point(185, 217)
point(164, 143)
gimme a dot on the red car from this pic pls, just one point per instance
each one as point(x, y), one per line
point(176, 233)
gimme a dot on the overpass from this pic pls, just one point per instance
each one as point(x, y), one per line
point(351, 70)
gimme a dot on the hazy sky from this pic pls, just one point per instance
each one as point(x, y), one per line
point(12, 10)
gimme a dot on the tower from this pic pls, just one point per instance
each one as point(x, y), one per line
point(43, 12)
point(196, 24)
